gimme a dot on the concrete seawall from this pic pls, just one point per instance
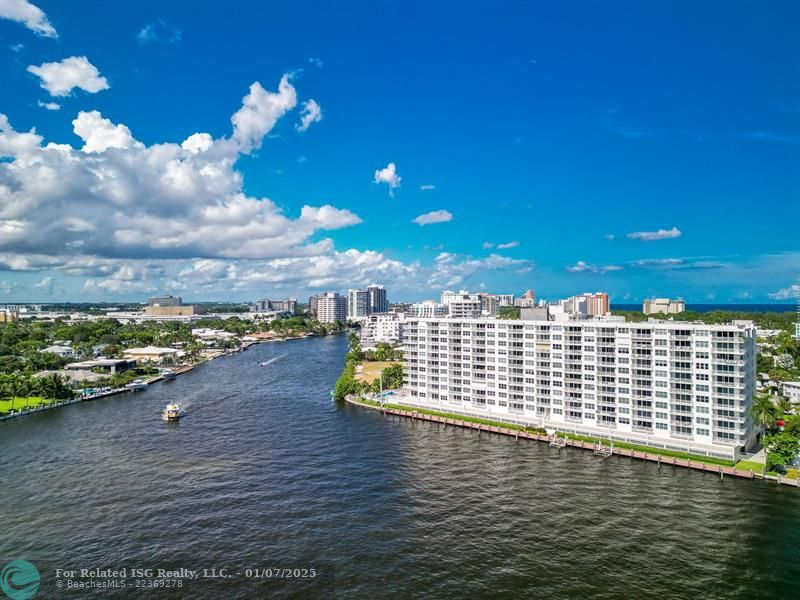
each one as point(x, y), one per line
point(721, 470)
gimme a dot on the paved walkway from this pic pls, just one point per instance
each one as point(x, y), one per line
point(759, 457)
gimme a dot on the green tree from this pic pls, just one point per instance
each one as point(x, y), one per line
point(782, 449)
point(392, 377)
point(764, 411)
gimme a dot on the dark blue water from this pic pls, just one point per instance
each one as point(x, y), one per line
point(265, 471)
point(712, 307)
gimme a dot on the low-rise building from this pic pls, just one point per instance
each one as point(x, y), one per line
point(207, 333)
point(152, 354)
point(106, 365)
point(184, 310)
point(791, 389)
point(62, 351)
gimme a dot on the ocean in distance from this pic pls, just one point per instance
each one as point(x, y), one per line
point(266, 472)
point(712, 307)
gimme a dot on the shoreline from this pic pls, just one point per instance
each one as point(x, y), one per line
point(180, 370)
point(603, 450)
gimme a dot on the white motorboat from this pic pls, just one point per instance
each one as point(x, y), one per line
point(136, 385)
point(172, 412)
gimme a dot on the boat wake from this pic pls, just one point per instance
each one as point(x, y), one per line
point(270, 361)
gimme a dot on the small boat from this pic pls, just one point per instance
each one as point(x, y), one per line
point(172, 412)
point(270, 361)
point(137, 385)
point(168, 375)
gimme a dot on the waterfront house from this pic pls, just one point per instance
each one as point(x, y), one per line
point(153, 354)
point(62, 351)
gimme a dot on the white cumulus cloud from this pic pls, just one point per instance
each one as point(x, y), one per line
point(99, 134)
point(508, 245)
point(389, 176)
point(29, 14)
point(311, 113)
point(787, 293)
point(60, 78)
point(259, 113)
point(435, 216)
point(651, 236)
point(48, 105)
point(581, 267)
point(117, 198)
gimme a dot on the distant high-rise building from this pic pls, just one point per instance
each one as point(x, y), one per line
point(378, 300)
point(331, 307)
point(462, 304)
point(428, 310)
point(490, 304)
point(527, 300)
point(312, 305)
point(663, 305)
point(597, 304)
point(358, 304)
point(289, 305)
point(165, 301)
point(505, 299)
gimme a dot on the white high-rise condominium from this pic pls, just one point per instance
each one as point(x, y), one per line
point(505, 299)
point(663, 305)
point(462, 304)
point(428, 309)
point(331, 307)
point(357, 304)
point(378, 301)
point(682, 386)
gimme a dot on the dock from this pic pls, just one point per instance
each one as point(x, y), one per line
point(595, 447)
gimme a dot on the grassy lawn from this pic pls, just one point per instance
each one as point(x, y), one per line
point(663, 452)
point(371, 370)
point(19, 403)
point(636, 447)
point(454, 416)
point(749, 465)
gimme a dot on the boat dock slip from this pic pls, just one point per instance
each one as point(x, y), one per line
point(560, 442)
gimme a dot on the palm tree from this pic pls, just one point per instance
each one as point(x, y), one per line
point(18, 388)
point(764, 411)
point(4, 387)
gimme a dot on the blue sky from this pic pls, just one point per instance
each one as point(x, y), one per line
point(638, 148)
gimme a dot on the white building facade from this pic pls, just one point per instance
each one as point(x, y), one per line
point(663, 305)
point(680, 386)
point(428, 310)
point(382, 327)
point(462, 304)
point(331, 307)
point(357, 304)
point(378, 299)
